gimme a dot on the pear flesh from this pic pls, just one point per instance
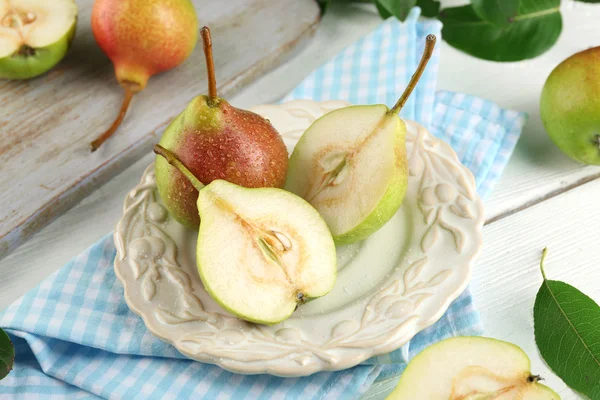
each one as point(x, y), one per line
point(351, 166)
point(471, 368)
point(262, 251)
point(34, 35)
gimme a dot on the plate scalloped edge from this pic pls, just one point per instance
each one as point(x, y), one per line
point(443, 191)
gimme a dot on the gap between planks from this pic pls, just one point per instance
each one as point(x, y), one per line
point(543, 198)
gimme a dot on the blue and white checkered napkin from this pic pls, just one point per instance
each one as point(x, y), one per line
point(75, 337)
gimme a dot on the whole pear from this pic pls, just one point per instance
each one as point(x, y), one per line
point(142, 38)
point(570, 106)
point(217, 141)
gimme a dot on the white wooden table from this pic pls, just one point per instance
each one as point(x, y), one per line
point(543, 198)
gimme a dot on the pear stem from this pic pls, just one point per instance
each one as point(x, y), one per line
point(544, 253)
point(429, 45)
point(95, 145)
point(210, 65)
point(174, 161)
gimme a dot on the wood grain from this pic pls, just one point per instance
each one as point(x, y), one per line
point(46, 124)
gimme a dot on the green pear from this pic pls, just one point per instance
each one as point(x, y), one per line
point(217, 141)
point(570, 106)
point(34, 35)
point(351, 165)
point(471, 368)
point(261, 251)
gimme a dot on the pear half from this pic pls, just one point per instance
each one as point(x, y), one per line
point(262, 251)
point(471, 368)
point(34, 35)
point(351, 166)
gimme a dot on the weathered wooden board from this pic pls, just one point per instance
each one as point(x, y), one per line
point(46, 124)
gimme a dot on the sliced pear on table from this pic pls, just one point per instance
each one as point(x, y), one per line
point(351, 165)
point(261, 252)
point(34, 35)
point(471, 368)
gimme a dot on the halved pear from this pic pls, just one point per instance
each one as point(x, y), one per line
point(351, 165)
point(263, 251)
point(34, 35)
point(471, 368)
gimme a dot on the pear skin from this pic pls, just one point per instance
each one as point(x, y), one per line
point(570, 106)
point(144, 37)
point(218, 142)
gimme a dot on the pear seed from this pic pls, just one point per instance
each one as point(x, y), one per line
point(283, 239)
point(30, 17)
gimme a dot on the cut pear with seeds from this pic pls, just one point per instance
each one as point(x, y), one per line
point(260, 252)
point(34, 35)
point(471, 368)
point(351, 165)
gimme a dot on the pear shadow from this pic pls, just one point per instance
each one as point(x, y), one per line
point(536, 148)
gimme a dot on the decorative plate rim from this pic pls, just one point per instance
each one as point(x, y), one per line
point(304, 364)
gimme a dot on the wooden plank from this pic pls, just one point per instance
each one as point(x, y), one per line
point(47, 123)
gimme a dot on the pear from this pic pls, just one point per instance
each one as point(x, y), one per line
point(471, 368)
point(34, 35)
point(142, 38)
point(217, 141)
point(351, 165)
point(570, 106)
point(260, 251)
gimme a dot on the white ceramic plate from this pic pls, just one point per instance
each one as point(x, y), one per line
point(389, 287)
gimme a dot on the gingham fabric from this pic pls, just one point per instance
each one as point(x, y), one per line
point(75, 337)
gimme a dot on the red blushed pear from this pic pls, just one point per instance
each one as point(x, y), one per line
point(142, 38)
point(215, 140)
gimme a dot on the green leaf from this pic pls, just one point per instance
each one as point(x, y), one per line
point(498, 12)
point(7, 354)
point(383, 12)
point(323, 4)
point(397, 8)
point(567, 333)
point(530, 34)
point(429, 8)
